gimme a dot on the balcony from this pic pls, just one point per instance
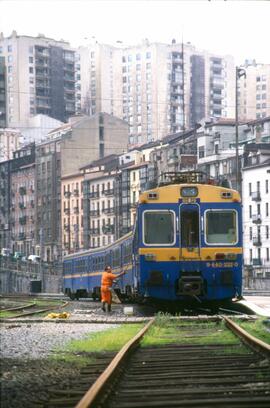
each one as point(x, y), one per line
point(67, 194)
point(257, 240)
point(108, 211)
point(94, 213)
point(256, 262)
point(256, 196)
point(94, 231)
point(256, 218)
point(108, 192)
point(22, 220)
point(21, 236)
point(93, 194)
point(22, 190)
point(108, 229)
point(22, 206)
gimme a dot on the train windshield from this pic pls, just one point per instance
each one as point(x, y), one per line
point(221, 227)
point(158, 228)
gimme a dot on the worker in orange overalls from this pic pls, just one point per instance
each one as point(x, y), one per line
point(106, 284)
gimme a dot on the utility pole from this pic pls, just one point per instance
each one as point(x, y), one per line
point(239, 72)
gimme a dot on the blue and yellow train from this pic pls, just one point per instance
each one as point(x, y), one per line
point(186, 245)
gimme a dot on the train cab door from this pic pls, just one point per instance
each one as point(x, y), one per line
point(189, 230)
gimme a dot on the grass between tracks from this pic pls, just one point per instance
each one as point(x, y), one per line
point(259, 328)
point(80, 351)
point(166, 331)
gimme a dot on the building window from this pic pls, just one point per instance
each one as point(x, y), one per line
point(250, 233)
point(10, 58)
point(9, 48)
point(31, 70)
point(250, 255)
point(267, 231)
point(250, 188)
point(267, 254)
point(266, 186)
point(148, 55)
point(266, 209)
point(250, 211)
point(31, 60)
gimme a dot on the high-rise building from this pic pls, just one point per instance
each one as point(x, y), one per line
point(42, 77)
point(2, 93)
point(254, 91)
point(157, 88)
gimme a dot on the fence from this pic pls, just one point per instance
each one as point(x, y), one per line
point(18, 276)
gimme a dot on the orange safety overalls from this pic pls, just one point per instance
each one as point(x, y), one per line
point(106, 284)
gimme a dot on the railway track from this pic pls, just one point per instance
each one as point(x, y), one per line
point(192, 373)
point(19, 307)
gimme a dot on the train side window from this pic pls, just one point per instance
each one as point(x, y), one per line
point(159, 227)
point(221, 227)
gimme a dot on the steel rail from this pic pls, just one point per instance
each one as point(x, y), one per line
point(252, 341)
point(11, 309)
point(95, 391)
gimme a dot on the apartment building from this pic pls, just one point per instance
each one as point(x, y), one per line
point(217, 149)
point(48, 199)
point(99, 204)
point(43, 76)
point(3, 93)
point(157, 88)
point(92, 138)
point(254, 91)
point(22, 191)
point(256, 210)
point(72, 213)
point(5, 238)
point(10, 141)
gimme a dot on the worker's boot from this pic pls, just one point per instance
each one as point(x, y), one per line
point(103, 306)
point(109, 308)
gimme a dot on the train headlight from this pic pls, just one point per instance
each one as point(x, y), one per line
point(150, 257)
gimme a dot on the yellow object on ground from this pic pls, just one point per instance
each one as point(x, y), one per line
point(63, 315)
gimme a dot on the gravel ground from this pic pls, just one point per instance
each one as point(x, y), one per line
point(26, 370)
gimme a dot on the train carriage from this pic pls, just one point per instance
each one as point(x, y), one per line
point(186, 246)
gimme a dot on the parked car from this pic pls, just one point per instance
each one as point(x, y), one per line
point(34, 258)
point(5, 252)
point(17, 256)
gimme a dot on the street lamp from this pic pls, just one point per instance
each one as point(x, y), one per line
point(239, 72)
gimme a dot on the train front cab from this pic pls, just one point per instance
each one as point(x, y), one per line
point(191, 249)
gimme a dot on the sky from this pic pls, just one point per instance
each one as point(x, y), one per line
point(238, 28)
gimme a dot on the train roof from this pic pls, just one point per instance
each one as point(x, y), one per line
point(97, 250)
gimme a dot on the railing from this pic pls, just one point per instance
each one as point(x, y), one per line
point(93, 194)
point(108, 192)
point(257, 240)
point(22, 190)
point(94, 213)
point(256, 196)
point(108, 229)
point(256, 262)
point(110, 210)
point(94, 231)
point(256, 218)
